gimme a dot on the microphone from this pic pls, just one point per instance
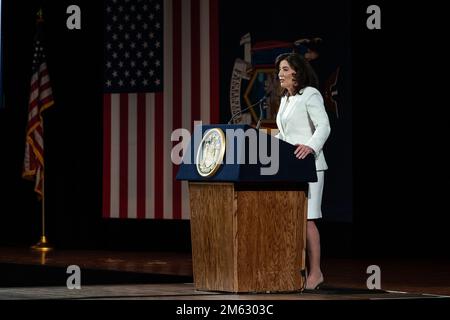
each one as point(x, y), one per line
point(260, 114)
point(260, 101)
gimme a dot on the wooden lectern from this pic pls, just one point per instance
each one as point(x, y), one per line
point(248, 230)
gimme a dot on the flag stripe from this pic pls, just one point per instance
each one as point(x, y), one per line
point(168, 108)
point(186, 90)
point(106, 153)
point(45, 79)
point(34, 94)
point(141, 155)
point(195, 58)
point(205, 62)
point(132, 155)
point(123, 156)
point(33, 113)
point(115, 154)
point(150, 156)
point(159, 154)
point(214, 60)
point(177, 110)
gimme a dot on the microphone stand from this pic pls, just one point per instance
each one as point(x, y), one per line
point(260, 114)
point(245, 109)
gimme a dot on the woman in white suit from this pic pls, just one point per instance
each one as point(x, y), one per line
point(303, 121)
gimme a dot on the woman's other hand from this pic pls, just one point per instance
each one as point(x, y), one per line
point(302, 151)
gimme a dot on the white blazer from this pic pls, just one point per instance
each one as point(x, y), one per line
point(304, 120)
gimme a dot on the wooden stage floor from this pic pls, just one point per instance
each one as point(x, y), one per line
point(25, 274)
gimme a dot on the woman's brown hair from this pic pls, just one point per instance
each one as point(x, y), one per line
point(304, 73)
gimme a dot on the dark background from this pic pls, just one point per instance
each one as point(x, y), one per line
point(266, 22)
point(390, 176)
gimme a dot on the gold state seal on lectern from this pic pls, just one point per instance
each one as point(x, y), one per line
point(210, 152)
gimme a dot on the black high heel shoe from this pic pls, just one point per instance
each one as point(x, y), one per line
point(316, 287)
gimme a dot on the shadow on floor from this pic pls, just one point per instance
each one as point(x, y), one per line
point(15, 275)
point(343, 291)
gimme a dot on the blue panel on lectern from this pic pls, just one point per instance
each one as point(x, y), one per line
point(283, 165)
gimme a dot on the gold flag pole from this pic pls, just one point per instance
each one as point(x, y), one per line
point(43, 245)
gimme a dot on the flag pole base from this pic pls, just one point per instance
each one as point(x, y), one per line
point(42, 245)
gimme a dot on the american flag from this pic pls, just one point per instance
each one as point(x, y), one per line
point(40, 99)
point(161, 73)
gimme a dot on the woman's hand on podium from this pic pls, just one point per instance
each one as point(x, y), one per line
point(302, 151)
